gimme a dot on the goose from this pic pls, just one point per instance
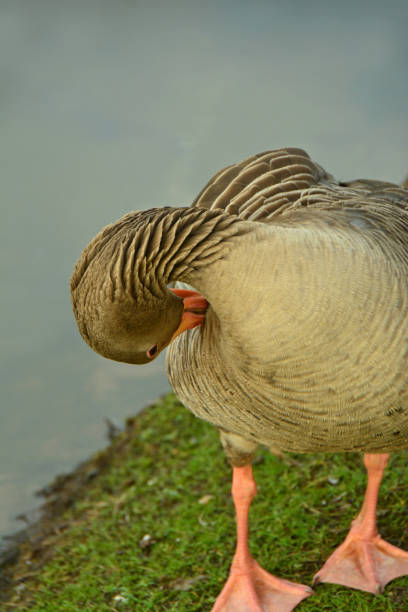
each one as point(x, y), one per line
point(293, 334)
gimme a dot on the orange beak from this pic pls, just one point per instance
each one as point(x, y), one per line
point(195, 306)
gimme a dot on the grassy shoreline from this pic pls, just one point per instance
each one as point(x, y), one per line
point(148, 524)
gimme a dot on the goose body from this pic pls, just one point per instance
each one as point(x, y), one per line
point(304, 344)
point(307, 318)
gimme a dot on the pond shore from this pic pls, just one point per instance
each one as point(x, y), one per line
point(25, 551)
point(148, 525)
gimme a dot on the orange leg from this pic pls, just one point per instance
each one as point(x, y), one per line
point(249, 587)
point(364, 560)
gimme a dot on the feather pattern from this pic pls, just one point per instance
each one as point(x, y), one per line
point(305, 343)
point(308, 350)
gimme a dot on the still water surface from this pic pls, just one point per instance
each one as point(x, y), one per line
point(110, 107)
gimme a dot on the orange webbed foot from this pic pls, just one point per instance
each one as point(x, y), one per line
point(364, 560)
point(362, 563)
point(253, 589)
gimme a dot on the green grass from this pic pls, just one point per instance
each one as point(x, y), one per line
point(153, 485)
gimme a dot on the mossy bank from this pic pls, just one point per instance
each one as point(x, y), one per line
point(148, 524)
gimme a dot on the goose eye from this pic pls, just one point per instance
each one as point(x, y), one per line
point(152, 351)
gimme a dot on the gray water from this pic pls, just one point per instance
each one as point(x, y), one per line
point(107, 107)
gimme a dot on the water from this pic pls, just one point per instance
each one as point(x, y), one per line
point(107, 107)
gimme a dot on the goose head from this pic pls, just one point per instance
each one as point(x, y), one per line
point(136, 332)
point(133, 331)
point(132, 326)
point(119, 289)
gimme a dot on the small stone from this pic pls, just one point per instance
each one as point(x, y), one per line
point(146, 541)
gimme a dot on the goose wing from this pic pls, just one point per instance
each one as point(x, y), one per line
point(285, 185)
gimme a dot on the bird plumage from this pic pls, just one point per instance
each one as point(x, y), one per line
point(304, 346)
point(305, 342)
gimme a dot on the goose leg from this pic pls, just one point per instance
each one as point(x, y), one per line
point(364, 560)
point(249, 587)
